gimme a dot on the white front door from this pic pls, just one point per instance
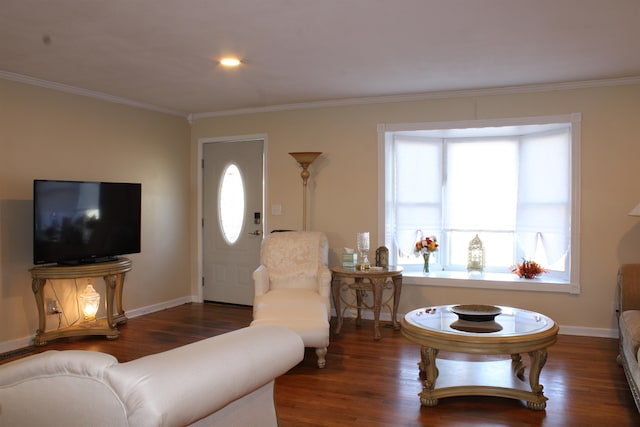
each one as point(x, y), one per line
point(232, 219)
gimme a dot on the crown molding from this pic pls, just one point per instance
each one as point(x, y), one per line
point(191, 117)
point(507, 90)
point(6, 75)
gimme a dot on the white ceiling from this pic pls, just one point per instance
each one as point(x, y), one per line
point(162, 53)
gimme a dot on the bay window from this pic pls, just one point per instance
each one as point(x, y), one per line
point(513, 182)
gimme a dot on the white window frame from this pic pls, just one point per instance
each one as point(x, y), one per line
point(504, 281)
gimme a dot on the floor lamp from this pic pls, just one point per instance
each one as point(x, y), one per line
point(305, 158)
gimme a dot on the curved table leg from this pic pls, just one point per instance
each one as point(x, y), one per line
point(377, 287)
point(37, 286)
point(429, 374)
point(517, 366)
point(110, 281)
point(397, 288)
point(335, 292)
point(538, 360)
point(359, 307)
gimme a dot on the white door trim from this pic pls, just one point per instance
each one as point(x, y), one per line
point(201, 142)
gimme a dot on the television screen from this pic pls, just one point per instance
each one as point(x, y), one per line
point(81, 222)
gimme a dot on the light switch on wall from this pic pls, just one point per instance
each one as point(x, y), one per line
point(276, 209)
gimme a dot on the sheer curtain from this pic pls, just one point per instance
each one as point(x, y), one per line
point(515, 189)
point(544, 198)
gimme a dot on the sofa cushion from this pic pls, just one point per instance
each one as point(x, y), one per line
point(630, 333)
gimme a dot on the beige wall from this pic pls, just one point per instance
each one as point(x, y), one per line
point(343, 186)
point(52, 135)
point(48, 134)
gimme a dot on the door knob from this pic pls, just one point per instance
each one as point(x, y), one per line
point(255, 233)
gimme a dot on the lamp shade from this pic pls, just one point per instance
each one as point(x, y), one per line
point(305, 157)
point(635, 211)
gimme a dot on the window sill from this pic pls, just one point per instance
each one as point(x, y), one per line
point(502, 281)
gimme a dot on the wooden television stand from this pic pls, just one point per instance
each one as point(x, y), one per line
point(113, 273)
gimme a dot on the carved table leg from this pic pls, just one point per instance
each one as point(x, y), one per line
point(110, 281)
point(120, 316)
point(37, 286)
point(429, 375)
point(335, 291)
point(358, 307)
point(377, 287)
point(538, 360)
point(517, 366)
point(397, 288)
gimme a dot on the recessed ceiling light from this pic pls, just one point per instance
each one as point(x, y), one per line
point(230, 62)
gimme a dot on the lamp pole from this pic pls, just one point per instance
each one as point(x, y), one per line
point(305, 159)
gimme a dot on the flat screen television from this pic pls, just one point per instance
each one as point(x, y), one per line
point(79, 222)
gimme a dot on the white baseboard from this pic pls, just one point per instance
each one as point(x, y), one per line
point(160, 306)
point(12, 345)
point(16, 344)
point(588, 332)
point(564, 330)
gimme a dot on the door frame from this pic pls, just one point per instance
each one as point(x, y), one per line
point(200, 195)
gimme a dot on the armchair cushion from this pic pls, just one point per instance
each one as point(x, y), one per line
point(299, 309)
point(293, 259)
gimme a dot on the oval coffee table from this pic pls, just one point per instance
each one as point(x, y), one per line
point(512, 332)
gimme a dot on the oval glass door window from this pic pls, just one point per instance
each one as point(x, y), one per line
point(231, 203)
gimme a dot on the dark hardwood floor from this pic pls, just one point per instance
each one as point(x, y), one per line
point(376, 383)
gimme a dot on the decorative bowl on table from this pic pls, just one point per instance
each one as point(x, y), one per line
point(476, 318)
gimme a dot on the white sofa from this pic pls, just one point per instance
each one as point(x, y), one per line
point(226, 380)
point(629, 324)
point(292, 287)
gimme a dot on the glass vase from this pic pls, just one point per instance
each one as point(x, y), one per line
point(425, 267)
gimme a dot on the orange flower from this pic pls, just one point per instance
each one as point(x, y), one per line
point(528, 269)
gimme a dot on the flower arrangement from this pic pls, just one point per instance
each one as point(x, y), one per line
point(528, 269)
point(424, 247)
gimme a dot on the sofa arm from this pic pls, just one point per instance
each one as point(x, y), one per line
point(261, 280)
point(629, 287)
point(36, 390)
point(183, 385)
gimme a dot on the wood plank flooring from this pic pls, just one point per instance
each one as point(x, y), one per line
point(376, 383)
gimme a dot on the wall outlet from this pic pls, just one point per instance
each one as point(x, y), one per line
point(52, 307)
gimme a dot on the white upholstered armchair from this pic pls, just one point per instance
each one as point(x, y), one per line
point(292, 287)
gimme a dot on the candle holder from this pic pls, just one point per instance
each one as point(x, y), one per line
point(362, 241)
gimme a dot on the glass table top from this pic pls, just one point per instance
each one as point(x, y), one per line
point(513, 321)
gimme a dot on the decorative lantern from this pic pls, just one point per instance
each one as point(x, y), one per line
point(382, 257)
point(475, 259)
point(89, 303)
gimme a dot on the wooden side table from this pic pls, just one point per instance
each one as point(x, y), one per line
point(113, 274)
point(374, 280)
